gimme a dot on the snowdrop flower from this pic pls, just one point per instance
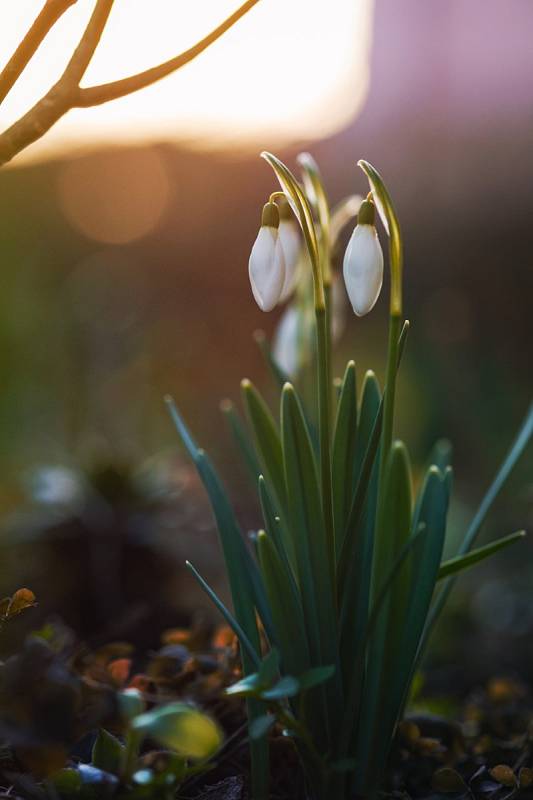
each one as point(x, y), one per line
point(363, 262)
point(266, 266)
point(289, 237)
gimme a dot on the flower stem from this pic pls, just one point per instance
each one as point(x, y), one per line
point(386, 434)
point(390, 386)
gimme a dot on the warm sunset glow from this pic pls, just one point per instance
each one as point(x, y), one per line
point(287, 70)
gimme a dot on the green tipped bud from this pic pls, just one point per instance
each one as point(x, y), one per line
point(367, 213)
point(270, 216)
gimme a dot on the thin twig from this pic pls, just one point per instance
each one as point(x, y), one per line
point(66, 93)
point(44, 22)
point(96, 95)
point(81, 58)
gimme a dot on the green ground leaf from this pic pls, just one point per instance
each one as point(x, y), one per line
point(285, 687)
point(181, 728)
point(107, 752)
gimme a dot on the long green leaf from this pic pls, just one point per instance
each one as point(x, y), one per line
point(387, 641)
point(274, 526)
point(286, 609)
point(362, 478)
point(310, 545)
point(242, 591)
point(459, 563)
point(425, 563)
point(279, 375)
point(242, 439)
point(230, 535)
point(260, 598)
point(228, 616)
point(267, 441)
point(355, 572)
point(343, 453)
point(350, 719)
point(516, 450)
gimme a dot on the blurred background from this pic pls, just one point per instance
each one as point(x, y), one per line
point(124, 241)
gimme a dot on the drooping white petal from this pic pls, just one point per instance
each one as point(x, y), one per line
point(289, 239)
point(363, 269)
point(285, 344)
point(266, 268)
point(293, 345)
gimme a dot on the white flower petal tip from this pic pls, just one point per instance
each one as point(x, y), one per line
point(285, 345)
point(363, 269)
point(289, 239)
point(266, 268)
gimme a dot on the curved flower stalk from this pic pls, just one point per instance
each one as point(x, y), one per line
point(363, 262)
point(347, 556)
point(266, 266)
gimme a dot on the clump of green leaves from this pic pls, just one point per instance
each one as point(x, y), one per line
point(345, 572)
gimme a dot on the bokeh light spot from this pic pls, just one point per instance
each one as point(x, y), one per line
point(114, 198)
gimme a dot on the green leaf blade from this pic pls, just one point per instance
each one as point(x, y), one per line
point(460, 563)
point(343, 453)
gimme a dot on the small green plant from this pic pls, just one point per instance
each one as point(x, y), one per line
point(117, 767)
point(345, 575)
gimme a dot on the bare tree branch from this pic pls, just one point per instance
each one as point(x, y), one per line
point(44, 22)
point(96, 95)
point(62, 96)
point(81, 58)
point(66, 93)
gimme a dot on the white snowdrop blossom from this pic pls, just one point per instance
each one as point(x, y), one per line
point(266, 266)
point(289, 237)
point(363, 263)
